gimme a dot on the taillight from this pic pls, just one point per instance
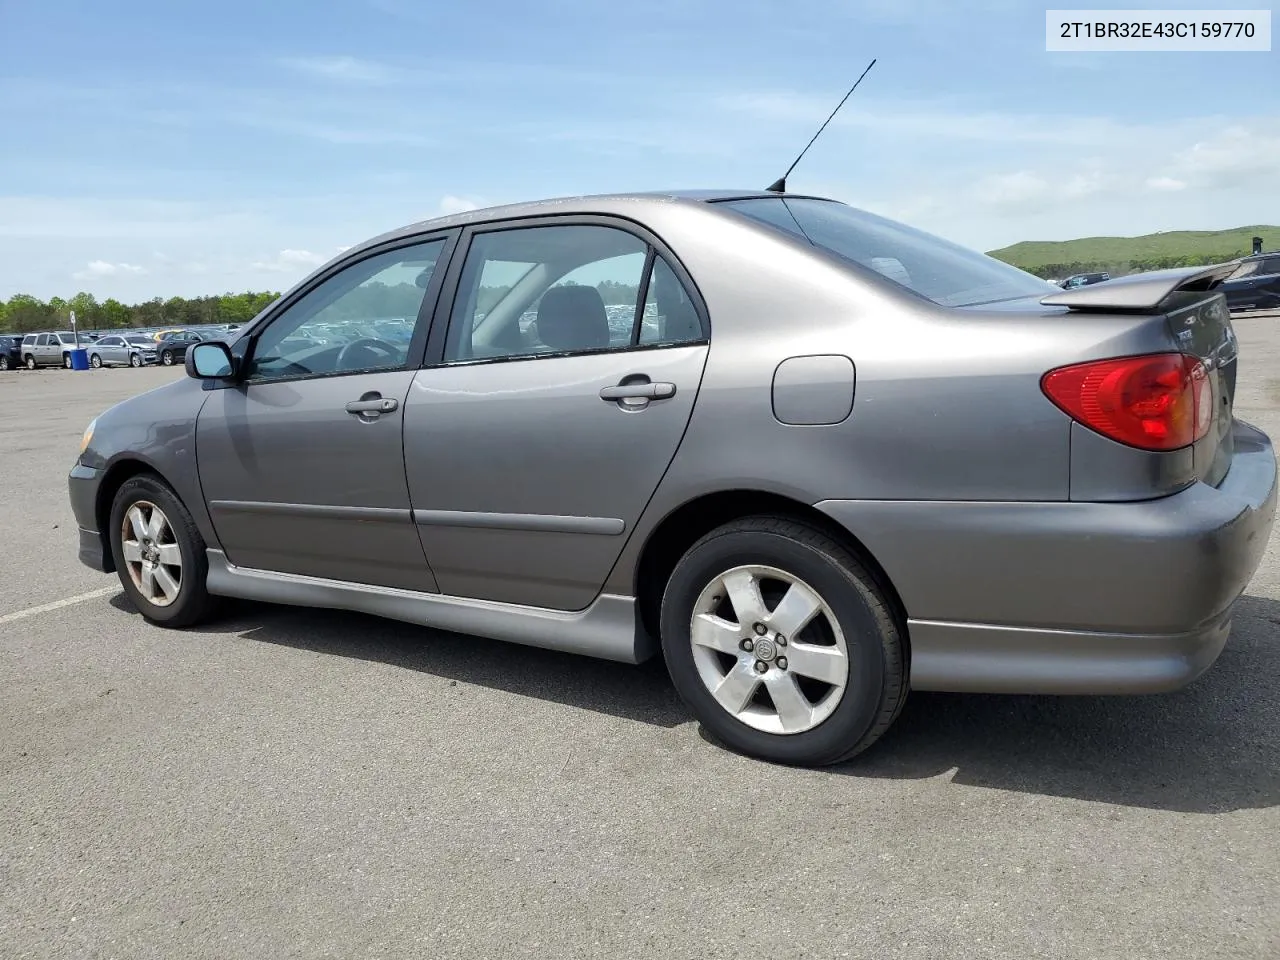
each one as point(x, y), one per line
point(1159, 401)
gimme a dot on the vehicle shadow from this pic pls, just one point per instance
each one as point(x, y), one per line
point(1209, 748)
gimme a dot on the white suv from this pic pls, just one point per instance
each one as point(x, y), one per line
point(48, 349)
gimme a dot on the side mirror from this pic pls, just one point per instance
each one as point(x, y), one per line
point(210, 360)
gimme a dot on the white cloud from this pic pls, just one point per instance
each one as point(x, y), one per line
point(1167, 184)
point(98, 269)
point(342, 69)
point(449, 204)
point(290, 261)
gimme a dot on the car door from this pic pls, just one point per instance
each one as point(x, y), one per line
point(110, 350)
point(301, 459)
point(550, 407)
point(44, 351)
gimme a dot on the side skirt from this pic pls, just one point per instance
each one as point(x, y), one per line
point(608, 629)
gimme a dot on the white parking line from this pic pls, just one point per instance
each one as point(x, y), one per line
point(58, 604)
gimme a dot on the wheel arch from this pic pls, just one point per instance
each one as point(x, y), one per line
point(115, 477)
point(689, 522)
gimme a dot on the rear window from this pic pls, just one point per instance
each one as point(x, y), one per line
point(933, 268)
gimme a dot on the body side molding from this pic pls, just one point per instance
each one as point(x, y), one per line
point(608, 629)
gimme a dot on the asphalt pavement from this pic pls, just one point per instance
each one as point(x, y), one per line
point(293, 783)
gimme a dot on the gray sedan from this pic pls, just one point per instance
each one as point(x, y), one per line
point(811, 457)
point(115, 350)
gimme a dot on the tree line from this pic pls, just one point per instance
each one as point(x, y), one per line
point(24, 313)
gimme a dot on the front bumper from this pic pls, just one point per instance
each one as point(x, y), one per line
point(82, 486)
point(1073, 597)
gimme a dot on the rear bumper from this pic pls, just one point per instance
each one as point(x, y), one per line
point(1073, 597)
point(82, 486)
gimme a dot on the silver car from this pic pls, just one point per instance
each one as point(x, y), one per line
point(115, 350)
point(828, 459)
point(49, 349)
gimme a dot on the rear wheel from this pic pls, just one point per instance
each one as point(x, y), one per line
point(167, 358)
point(95, 361)
point(781, 644)
point(135, 360)
point(30, 362)
point(4, 363)
point(159, 554)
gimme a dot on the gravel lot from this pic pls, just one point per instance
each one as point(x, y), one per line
point(291, 783)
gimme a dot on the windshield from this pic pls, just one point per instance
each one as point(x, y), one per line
point(929, 266)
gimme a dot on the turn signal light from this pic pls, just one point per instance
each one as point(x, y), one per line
point(1159, 401)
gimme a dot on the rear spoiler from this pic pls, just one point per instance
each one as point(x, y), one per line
point(1142, 291)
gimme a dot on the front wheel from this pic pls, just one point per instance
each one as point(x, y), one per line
point(66, 361)
point(4, 363)
point(135, 360)
point(781, 643)
point(159, 554)
point(167, 358)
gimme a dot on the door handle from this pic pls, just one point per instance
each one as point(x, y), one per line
point(639, 391)
point(372, 405)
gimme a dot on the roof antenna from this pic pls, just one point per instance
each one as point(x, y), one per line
point(780, 185)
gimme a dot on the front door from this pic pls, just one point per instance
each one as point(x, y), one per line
point(551, 410)
point(302, 462)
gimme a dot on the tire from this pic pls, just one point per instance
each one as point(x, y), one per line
point(135, 360)
point(66, 361)
point(95, 361)
point(30, 362)
point(828, 723)
point(4, 363)
point(167, 358)
point(191, 602)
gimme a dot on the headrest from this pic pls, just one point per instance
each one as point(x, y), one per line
point(573, 318)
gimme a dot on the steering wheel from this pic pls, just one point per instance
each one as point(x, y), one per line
point(375, 353)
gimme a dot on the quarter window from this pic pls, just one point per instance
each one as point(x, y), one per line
point(360, 319)
point(535, 291)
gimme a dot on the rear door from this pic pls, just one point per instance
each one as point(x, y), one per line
point(108, 349)
point(552, 404)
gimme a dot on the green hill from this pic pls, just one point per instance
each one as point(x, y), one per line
point(1121, 255)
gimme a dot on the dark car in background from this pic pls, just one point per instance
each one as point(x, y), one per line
point(10, 351)
point(173, 348)
point(1255, 285)
point(1083, 280)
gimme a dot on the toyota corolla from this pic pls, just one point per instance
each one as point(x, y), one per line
point(812, 457)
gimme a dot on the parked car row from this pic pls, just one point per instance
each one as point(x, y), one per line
point(131, 348)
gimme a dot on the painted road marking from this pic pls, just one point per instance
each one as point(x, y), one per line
point(58, 604)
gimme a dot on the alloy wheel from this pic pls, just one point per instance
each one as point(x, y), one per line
point(151, 553)
point(167, 358)
point(135, 360)
point(31, 363)
point(769, 649)
point(95, 361)
point(4, 363)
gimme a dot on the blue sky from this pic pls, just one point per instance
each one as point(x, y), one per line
point(161, 148)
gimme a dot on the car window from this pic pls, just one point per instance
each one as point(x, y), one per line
point(109, 342)
point(669, 314)
point(361, 318)
point(534, 291)
point(43, 341)
point(941, 271)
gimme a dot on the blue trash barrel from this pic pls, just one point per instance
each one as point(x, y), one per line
point(80, 359)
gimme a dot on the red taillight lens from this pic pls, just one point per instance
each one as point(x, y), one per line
point(1156, 402)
